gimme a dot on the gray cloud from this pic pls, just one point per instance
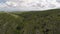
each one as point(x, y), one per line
point(28, 4)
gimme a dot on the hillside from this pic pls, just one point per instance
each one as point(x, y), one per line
point(33, 22)
point(8, 23)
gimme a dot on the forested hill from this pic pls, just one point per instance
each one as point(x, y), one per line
point(32, 22)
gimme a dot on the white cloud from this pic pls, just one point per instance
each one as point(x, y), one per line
point(2, 5)
point(10, 3)
point(30, 4)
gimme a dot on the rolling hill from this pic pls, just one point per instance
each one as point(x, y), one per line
point(32, 22)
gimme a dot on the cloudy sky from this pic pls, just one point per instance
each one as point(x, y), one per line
point(20, 5)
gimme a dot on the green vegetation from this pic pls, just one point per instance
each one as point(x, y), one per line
point(32, 22)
